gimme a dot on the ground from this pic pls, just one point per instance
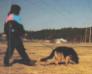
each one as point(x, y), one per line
point(37, 50)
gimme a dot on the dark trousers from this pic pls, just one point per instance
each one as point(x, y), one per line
point(15, 42)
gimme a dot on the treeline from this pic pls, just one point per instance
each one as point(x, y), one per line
point(70, 34)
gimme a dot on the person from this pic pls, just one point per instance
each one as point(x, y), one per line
point(14, 32)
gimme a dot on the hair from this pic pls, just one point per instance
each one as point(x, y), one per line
point(15, 9)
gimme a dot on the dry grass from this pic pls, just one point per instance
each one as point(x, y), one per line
point(38, 50)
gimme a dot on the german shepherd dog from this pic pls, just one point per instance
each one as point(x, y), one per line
point(62, 55)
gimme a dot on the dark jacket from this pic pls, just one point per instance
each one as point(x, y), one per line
point(14, 28)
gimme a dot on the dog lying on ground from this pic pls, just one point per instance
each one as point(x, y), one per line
point(61, 55)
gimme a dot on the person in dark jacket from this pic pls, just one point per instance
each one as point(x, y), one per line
point(14, 32)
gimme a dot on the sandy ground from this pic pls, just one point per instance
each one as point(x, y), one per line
point(37, 50)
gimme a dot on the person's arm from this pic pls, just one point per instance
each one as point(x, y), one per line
point(18, 28)
point(22, 28)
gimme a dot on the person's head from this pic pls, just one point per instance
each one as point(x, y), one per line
point(15, 9)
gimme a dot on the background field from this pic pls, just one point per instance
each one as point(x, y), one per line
point(37, 50)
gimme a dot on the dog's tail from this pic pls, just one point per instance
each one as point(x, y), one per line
point(48, 57)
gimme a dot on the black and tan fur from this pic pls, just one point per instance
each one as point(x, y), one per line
point(62, 55)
